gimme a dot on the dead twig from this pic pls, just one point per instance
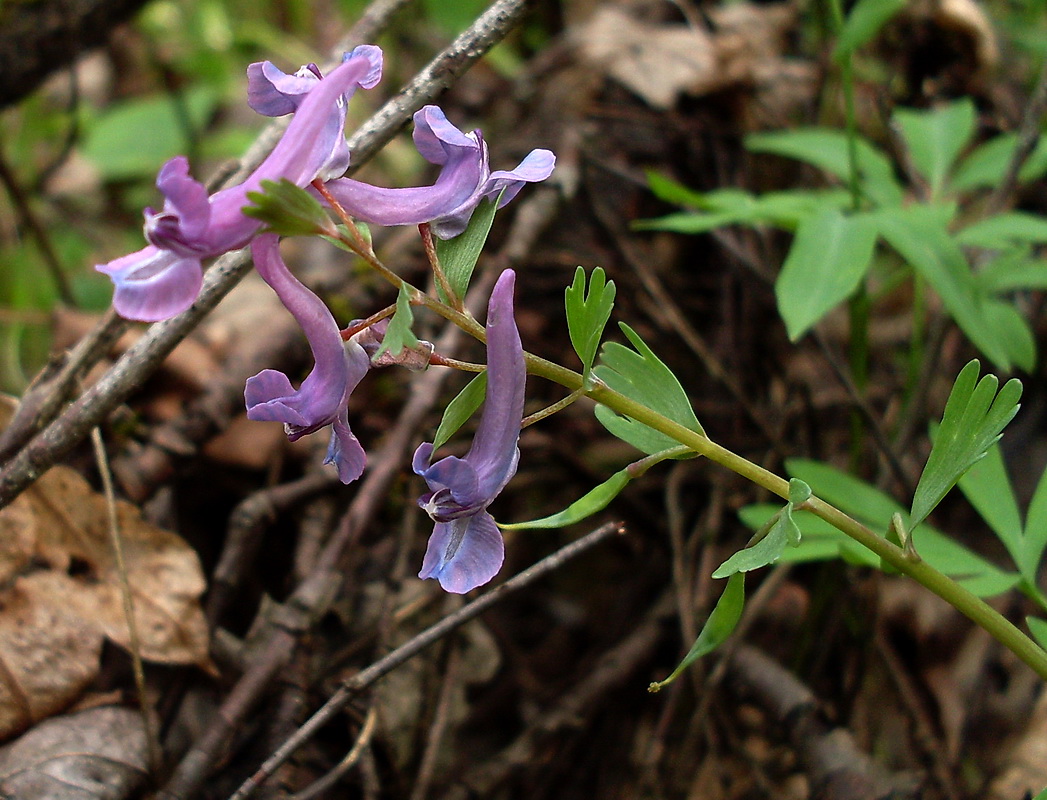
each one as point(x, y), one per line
point(346, 764)
point(246, 525)
point(838, 769)
point(365, 678)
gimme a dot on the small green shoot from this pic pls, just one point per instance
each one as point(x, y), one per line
point(399, 335)
point(721, 624)
point(588, 313)
point(288, 210)
point(974, 419)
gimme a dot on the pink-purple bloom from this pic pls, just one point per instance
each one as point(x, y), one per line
point(465, 179)
point(323, 398)
point(164, 278)
point(466, 548)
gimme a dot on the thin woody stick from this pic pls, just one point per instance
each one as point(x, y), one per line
point(414, 646)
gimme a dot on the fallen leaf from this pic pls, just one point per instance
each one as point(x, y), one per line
point(661, 62)
point(98, 754)
point(60, 595)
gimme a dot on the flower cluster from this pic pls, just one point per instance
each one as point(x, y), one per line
point(164, 278)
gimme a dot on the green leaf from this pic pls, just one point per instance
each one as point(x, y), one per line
point(1038, 629)
point(987, 164)
point(641, 376)
point(974, 419)
point(665, 188)
point(131, 139)
point(819, 541)
point(587, 314)
point(585, 506)
point(689, 222)
point(1035, 530)
point(720, 624)
point(1013, 270)
point(828, 149)
point(598, 498)
point(1004, 229)
point(785, 209)
point(459, 410)
point(875, 509)
point(398, 335)
point(935, 138)
point(827, 261)
point(782, 534)
point(920, 236)
point(458, 256)
point(989, 490)
point(1012, 331)
point(287, 209)
point(862, 24)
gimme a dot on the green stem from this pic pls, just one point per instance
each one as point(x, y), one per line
point(949, 590)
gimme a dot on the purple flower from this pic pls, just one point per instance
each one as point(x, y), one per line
point(274, 93)
point(164, 278)
point(323, 397)
point(466, 548)
point(465, 179)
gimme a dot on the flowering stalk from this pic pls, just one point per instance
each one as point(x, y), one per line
point(164, 278)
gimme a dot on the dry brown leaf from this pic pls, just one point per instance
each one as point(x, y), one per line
point(661, 62)
point(98, 754)
point(60, 595)
point(657, 62)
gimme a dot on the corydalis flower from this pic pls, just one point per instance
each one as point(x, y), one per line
point(466, 548)
point(164, 278)
point(323, 397)
point(465, 179)
point(274, 93)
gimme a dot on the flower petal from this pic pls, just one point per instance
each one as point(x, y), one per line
point(373, 54)
point(153, 284)
point(464, 553)
point(494, 454)
point(185, 197)
point(537, 166)
point(273, 93)
point(324, 390)
point(345, 450)
point(437, 139)
point(311, 137)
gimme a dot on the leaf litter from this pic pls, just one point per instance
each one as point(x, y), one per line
point(60, 596)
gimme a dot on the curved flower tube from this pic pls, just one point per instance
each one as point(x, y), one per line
point(466, 548)
point(164, 278)
point(323, 397)
point(465, 179)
